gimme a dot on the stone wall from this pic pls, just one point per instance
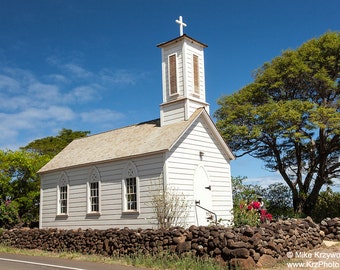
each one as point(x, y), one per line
point(331, 229)
point(246, 246)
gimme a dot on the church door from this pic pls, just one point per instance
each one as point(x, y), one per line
point(203, 198)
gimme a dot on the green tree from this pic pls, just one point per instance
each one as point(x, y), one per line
point(328, 205)
point(289, 118)
point(52, 145)
point(243, 192)
point(19, 183)
point(278, 200)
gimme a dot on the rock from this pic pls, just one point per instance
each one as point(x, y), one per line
point(238, 264)
point(179, 239)
point(324, 223)
point(183, 247)
point(266, 261)
point(248, 231)
point(239, 244)
point(240, 253)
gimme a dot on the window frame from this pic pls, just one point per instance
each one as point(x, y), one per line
point(62, 207)
point(94, 197)
point(173, 78)
point(196, 74)
point(63, 200)
point(94, 193)
point(130, 173)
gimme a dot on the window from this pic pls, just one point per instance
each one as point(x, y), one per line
point(130, 189)
point(196, 75)
point(62, 195)
point(63, 199)
point(173, 74)
point(93, 191)
point(131, 194)
point(94, 197)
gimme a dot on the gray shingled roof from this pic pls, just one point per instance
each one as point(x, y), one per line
point(135, 140)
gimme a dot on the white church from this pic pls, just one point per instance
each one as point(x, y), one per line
point(107, 180)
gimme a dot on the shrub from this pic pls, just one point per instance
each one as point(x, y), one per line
point(9, 214)
point(244, 215)
point(328, 205)
point(170, 208)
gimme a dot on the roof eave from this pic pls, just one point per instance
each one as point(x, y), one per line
point(40, 172)
point(184, 36)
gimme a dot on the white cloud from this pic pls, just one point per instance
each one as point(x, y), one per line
point(35, 104)
point(84, 93)
point(44, 92)
point(77, 70)
point(265, 180)
point(101, 116)
point(13, 103)
point(9, 83)
point(57, 78)
point(32, 118)
point(119, 77)
point(61, 113)
point(24, 77)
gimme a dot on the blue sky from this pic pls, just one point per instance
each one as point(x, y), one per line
point(94, 65)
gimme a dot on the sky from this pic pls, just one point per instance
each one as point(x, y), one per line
point(93, 65)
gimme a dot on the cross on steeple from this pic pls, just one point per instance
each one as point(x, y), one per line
point(181, 24)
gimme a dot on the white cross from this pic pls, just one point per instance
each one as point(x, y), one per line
point(181, 24)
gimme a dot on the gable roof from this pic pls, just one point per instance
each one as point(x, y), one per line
point(139, 139)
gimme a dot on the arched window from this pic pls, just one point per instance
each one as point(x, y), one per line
point(62, 194)
point(130, 188)
point(93, 191)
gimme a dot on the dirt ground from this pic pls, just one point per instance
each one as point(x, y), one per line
point(314, 259)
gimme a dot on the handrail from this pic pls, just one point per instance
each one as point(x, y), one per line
point(197, 203)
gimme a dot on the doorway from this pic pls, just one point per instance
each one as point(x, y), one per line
point(202, 197)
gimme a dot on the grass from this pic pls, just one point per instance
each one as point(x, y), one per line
point(161, 261)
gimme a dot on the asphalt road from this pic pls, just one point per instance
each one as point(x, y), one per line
point(24, 262)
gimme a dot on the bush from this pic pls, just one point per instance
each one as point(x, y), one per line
point(245, 216)
point(250, 214)
point(328, 205)
point(170, 208)
point(9, 214)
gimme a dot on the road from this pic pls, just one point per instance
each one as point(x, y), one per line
point(24, 262)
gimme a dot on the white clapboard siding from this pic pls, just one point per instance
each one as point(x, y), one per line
point(189, 79)
point(111, 174)
point(184, 160)
point(173, 112)
point(165, 71)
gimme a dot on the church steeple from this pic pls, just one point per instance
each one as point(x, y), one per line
point(183, 78)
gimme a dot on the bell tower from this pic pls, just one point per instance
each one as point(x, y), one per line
point(183, 78)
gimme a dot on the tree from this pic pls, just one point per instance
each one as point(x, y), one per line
point(327, 206)
point(244, 192)
point(53, 145)
point(289, 118)
point(278, 200)
point(20, 185)
point(19, 182)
